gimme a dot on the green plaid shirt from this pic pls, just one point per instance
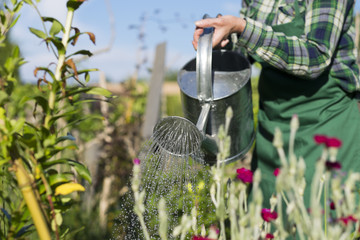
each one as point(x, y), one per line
point(328, 40)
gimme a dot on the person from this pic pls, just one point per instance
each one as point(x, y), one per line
point(309, 67)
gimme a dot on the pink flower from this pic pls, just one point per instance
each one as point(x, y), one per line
point(332, 206)
point(320, 139)
point(245, 175)
point(269, 236)
point(347, 219)
point(328, 141)
point(200, 238)
point(333, 142)
point(333, 165)
point(136, 161)
point(267, 215)
point(276, 172)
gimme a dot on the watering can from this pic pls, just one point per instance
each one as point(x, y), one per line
point(209, 84)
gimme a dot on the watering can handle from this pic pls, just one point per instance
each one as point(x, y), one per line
point(203, 65)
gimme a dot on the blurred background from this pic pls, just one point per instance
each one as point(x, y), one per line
point(126, 32)
point(130, 37)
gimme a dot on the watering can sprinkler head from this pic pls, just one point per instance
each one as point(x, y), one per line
point(179, 137)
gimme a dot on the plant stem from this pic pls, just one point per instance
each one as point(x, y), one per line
point(61, 60)
point(31, 201)
point(143, 226)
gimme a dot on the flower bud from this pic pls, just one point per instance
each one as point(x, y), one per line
point(278, 142)
point(294, 123)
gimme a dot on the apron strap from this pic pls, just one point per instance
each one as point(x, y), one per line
point(297, 8)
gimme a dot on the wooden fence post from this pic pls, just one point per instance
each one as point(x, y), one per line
point(153, 106)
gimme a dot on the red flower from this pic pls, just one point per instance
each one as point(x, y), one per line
point(200, 238)
point(267, 215)
point(333, 165)
point(320, 139)
point(333, 142)
point(276, 172)
point(347, 219)
point(269, 236)
point(136, 161)
point(328, 141)
point(245, 175)
point(332, 206)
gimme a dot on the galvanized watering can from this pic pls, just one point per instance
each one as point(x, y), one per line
point(209, 84)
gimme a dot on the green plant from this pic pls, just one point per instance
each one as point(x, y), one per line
point(333, 212)
point(39, 174)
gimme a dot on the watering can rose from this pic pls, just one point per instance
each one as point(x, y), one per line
point(245, 175)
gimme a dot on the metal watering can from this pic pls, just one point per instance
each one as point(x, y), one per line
point(209, 84)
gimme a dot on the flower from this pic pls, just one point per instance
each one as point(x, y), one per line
point(332, 206)
point(269, 236)
point(328, 141)
point(333, 165)
point(320, 139)
point(333, 142)
point(245, 175)
point(200, 238)
point(347, 219)
point(136, 161)
point(268, 215)
point(276, 172)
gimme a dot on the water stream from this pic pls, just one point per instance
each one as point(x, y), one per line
point(173, 169)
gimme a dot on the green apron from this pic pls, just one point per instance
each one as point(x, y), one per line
point(322, 108)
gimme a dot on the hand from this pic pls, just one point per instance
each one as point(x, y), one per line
point(223, 27)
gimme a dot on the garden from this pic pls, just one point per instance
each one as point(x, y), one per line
point(74, 164)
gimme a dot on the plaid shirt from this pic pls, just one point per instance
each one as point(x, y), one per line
point(328, 40)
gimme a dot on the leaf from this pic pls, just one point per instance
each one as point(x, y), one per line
point(28, 2)
point(38, 33)
point(23, 230)
point(56, 26)
point(60, 178)
point(17, 8)
point(64, 138)
point(75, 37)
point(46, 70)
point(14, 22)
point(2, 162)
point(87, 77)
point(8, 216)
point(68, 188)
point(81, 52)
point(100, 91)
point(43, 102)
point(91, 36)
point(79, 168)
point(58, 44)
point(71, 64)
point(17, 125)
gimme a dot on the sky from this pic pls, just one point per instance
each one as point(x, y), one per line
point(116, 25)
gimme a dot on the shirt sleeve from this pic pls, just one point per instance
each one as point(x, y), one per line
point(306, 56)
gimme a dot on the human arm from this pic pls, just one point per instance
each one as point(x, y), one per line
point(308, 55)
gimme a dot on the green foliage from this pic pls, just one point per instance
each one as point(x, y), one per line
point(35, 124)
